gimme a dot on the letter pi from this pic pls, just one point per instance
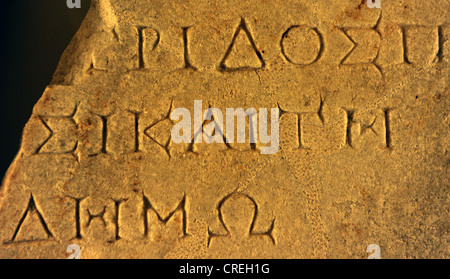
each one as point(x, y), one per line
point(74, 4)
point(374, 4)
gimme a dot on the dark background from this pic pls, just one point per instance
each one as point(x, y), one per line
point(34, 34)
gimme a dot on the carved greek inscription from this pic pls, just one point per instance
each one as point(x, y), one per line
point(89, 213)
point(148, 40)
point(137, 136)
point(31, 215)
point(77, 217)
point(93, 66)
point(387, 132)
point(366, 125)
point(117, 204)
point(211, 129)
point(344, 154)
point(141, 48)
point(299, 129)
point(301, 45)
point(299, 132)
point(423, 44)
point(348, 131)
point(320, 110)
point(147, 206)
point(152, 132)
point(405, 46)
point(100, 216)
point(240, 227)
point(299, 117)
point(136, 131)
point(322, 128)
point(198, 133)
point(442, 40)
point(187, 63)
point(236, 57)
point(104, 121)
point(366, 46)
point(58, 141)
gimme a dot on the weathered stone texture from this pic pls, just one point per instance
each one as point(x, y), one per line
point(364, 134)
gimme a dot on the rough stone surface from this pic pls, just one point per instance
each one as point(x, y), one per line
point(364, 134)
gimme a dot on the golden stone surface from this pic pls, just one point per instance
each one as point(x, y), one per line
point(364, 134)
